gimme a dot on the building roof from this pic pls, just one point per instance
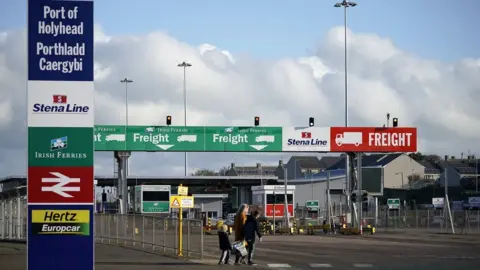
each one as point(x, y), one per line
point(306, 162)
point(372, 160)
point(462, 166)
point(328, 161)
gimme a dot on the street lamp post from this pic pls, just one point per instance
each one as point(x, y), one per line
point(123, 184)
point(348, 172)
point(126, 82)
point(184, 65)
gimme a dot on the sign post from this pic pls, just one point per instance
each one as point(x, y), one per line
point(180, 228)
point(179, 202)
point(60, 120)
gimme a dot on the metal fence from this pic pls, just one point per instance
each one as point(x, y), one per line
point(464, 221)
point(13, 218)
point(148, 232)
point(404, 219)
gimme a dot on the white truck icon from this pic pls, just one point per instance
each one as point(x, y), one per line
point(115, 137)
point(349, 138)
point(265, 138)
point(149, 129)
point(229, 130)
point(187, 138)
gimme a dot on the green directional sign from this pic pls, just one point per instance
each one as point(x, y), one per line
point(393, 203)
point(312, 205)
point(155, 207)
point(60, 146)
point(190, 139)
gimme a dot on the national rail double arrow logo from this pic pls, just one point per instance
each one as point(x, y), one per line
point(60, 188)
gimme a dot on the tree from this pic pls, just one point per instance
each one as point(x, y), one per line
point(417, 156)
point(204, 172)
point(223, 171)
point(413, 178)
point(433, 157)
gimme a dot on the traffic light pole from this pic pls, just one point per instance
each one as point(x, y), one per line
point(359, 194)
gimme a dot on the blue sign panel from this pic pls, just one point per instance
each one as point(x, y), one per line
point(60, 40)
point(60, 237)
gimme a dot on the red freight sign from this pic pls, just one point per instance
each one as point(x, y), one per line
point(60, 185)
point(372, 139)
point(279, 210)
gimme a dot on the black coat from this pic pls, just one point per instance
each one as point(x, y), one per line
point(224, 241)
point(251, 228)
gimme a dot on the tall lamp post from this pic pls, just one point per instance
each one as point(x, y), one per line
point(126, 82)
point(184, 65)
point(123, 185)
point(348, 172)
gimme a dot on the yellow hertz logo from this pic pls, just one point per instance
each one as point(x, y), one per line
point(75, 222)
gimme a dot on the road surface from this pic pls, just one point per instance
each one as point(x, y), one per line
point(108, 257)
point(352, 252)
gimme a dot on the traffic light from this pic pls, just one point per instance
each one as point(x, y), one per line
point(169, 120)
point(354, 197)
point(257, 121)
point(395, 122)
point(365, 197)
point(311, 122)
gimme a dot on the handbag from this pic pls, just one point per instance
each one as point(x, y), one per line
point(240, 248)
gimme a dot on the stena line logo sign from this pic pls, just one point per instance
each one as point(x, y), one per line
point(306, 139)
point(60, 105)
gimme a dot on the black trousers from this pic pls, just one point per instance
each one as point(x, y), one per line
point(225, 256)
point(250, 249)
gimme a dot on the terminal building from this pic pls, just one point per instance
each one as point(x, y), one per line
point(218, 195)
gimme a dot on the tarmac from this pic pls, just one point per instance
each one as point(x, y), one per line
point(108, 257)
point(372, 252)
point(379, 251)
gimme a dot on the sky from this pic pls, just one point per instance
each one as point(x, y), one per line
point(282, 60)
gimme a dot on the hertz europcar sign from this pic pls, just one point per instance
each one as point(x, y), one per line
point(76, 222)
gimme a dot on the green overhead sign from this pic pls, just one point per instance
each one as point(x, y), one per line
point(191, 139)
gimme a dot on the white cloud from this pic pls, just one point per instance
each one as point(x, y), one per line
point(224, 89)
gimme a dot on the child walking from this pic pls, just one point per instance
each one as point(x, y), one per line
point(224, 243)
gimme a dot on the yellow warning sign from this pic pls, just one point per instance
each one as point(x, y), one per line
point(182, 191)
point(175, 203)
point(181, 201)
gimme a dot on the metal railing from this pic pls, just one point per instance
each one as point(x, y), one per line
point(13, 218)
point(418, 220)
point(151, 232)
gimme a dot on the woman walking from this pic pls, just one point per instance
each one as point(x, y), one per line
point(239, 222)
